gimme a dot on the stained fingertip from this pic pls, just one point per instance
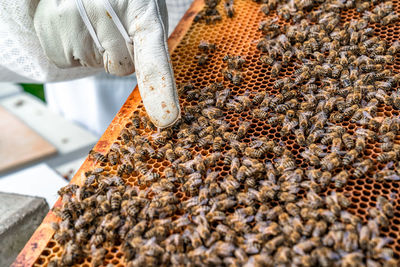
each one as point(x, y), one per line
point(118, 66)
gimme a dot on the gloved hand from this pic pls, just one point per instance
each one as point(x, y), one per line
point(125, 34)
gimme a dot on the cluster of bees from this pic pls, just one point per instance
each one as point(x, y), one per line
point(267, 211)
point(233, 72)
point(210, 13)
point(206, 49)
point(341, 75)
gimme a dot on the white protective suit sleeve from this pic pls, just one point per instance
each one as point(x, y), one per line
point(124, 35)
point(22, 58)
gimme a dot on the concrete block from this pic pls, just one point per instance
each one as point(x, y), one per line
point(19, 217)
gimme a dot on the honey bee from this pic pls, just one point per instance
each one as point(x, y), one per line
point(336, 145)
point(362, 168)
point(288, 126)
point(350, 157)
point(206, 46)
point(63, 233)
point(97, 156)
point(160, 139)
point(276, 68)
point(71, 253)
point(83, 220)
point(234, 62)
point(392, 17)
point(244, 100)
point(221, 97)
point(260, 113)
point(238, 146)
point(267, 59)
point(135, 121)
point(386, 207)
point(182, 152)
point(235, 105)
point(68, 190)
point(211, 159)
point(391, 262)
point(274, 243)
point(202, 59)
point(124, 168)
point(286, 163)
point(113, 157)
point(379, 217)
point(366, 133)
point(206, 131)
point(156, 231)
point(286, 106)
point(228, 5)
point(243, 128)
point(207, 140)
point(360, 144)
point(126, 135)
point(341, 179)
point(144, 121)
point(394, 48)
point(212, 112)
point(365, 236)
point(387, 156)
point(228, 136)
point(348, 141)
point(276, 119)
point(162, 151)
point(331, 161)
point(386, 174)
point(300, 137)
point(385, 126)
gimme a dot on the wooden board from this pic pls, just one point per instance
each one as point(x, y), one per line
point(19, 144)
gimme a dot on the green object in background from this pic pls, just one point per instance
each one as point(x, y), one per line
point(34, 89)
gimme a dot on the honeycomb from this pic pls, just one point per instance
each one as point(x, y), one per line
point(239, 36)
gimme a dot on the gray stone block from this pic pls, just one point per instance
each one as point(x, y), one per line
point(19, 217)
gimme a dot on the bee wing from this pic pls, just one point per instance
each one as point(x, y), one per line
point(367, 115)
point(257, 143)
point(131, 149)
point(361, 132)
point(323, 154)
point(340, 152)
point(115, 146)
point(389, 165)
point(393, 177)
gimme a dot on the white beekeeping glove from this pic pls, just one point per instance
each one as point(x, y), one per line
point(120, 35)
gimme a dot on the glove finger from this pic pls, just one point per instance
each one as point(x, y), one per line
point(116, 57)
point(116, 61)
point(153, 68)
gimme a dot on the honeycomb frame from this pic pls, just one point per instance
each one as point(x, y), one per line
point(183, 46)
point(36, 246)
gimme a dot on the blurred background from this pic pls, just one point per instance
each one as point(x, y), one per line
point(40, 149)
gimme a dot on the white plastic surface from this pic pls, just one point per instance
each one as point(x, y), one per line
point(39, 180)
point(7, 89)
